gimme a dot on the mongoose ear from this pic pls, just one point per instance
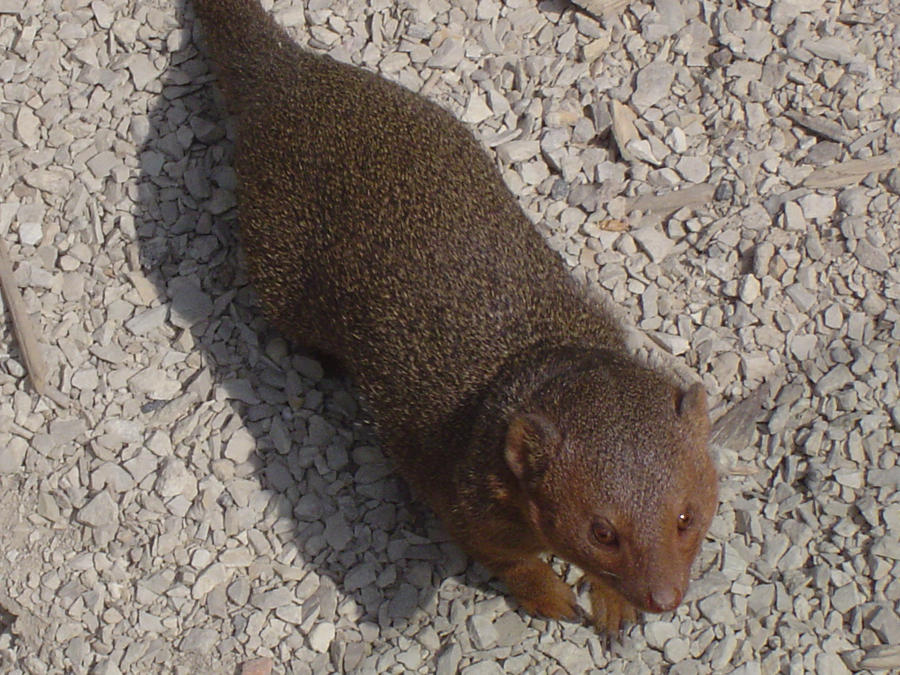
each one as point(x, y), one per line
point(692, 403)
point(528, 441)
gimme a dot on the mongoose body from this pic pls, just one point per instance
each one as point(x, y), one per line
point(378, 231)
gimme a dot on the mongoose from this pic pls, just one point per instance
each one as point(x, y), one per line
point(378, 231)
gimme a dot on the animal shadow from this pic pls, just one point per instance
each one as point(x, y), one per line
point(294, 467)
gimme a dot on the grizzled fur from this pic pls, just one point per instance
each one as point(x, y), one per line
point(378, 231)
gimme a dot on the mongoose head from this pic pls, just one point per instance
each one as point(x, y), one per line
point(616, 477)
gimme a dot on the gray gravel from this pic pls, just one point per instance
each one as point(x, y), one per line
point(212, 499)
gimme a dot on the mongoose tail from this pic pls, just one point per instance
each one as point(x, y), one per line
point(245, 44)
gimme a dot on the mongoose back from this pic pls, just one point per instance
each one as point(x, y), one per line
point(378, 231)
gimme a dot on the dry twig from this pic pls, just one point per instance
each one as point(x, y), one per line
point(24, 332)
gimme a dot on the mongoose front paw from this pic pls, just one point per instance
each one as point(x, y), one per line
point(610, 611)
point(539, 589)
point(555, 603)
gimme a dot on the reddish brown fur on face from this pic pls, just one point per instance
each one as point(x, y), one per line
point(635, 458)
point(378, 231)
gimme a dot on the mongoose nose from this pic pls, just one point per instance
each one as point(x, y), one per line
point(663, 599)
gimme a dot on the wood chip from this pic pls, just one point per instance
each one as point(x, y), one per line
point(742, 470)
point(820, 126)
point(614, 225)
point(623, 128)
point(852, 171)
point(601, 7)
point(735, 429)
point(24, 332)
point(881, 657)
point(695, 195)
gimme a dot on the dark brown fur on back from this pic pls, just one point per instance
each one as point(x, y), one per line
point(378, 231)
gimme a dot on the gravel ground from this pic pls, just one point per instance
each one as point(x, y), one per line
point(212, 500)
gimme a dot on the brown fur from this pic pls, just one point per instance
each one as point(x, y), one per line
point(377, 230)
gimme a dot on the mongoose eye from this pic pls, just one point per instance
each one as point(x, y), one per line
point(685, 518)
point(604, 533)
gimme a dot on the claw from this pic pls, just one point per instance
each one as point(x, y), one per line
point(610, 610)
